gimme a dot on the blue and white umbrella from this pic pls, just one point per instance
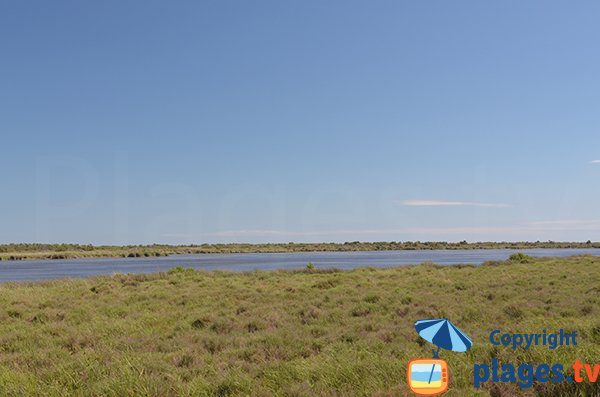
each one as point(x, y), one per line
point(442, 333)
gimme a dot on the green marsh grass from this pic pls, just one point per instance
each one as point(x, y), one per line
point(288, 333)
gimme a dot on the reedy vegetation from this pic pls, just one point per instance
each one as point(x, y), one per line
point(289, 333)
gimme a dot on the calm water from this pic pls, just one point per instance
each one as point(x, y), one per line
point(48, 269)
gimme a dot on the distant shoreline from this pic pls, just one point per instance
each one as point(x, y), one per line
point(12, 252)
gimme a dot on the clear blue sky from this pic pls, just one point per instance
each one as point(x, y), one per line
point(224, 121)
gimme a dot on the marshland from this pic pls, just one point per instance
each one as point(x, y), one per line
point(289, 333)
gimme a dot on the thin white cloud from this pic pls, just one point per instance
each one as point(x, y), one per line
point(595, 162)
point(251, 233)
point(446, 203)
point(176, 235)
point(566, 222)
point(407, 230)
point(566, 225)
point(530, 231)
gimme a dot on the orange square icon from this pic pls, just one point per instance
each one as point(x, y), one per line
point(427, 376)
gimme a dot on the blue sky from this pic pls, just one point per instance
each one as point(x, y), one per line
point(127, 122)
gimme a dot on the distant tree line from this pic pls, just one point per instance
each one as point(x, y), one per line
point(66, 251)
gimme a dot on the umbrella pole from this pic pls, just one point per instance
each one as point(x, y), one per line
point(435, 355)
point(431, 374)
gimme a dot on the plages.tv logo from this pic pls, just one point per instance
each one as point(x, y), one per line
point(429, 376)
